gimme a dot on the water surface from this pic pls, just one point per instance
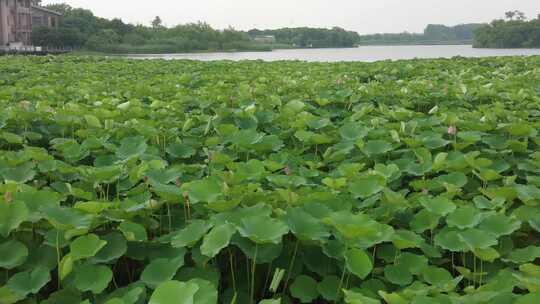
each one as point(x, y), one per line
point(362, 53)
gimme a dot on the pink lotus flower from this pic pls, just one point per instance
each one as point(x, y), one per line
point(452, 130)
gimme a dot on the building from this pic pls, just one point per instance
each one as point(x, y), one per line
point(18, 17)
point(44, 17)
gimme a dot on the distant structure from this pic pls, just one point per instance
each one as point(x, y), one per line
point(265, 38)
point(18, 17)
point(45, 17)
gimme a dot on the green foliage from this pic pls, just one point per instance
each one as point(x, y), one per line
point(433, 34)
point(509, 34)
point(128, 181)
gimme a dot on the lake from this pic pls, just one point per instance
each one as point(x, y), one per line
point(362, 53)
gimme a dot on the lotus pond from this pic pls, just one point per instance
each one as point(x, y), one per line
point(179, 182)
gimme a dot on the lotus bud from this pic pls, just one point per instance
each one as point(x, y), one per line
point(287, 170)
point(8, 197)
point(178, 182)
point(452, 130)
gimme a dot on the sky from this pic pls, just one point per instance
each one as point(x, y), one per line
point(363, 16)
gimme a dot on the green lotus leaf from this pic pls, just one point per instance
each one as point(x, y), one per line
point(131, 294)
point(162, 176)
point(464, 217)
point(306, 227)
point(261, 253)
point(94, 278)
point(263, 229)
point(367, 186)
point(131, 147)
point(207, 190)
point(482, 202)
point(359, 228)
point(64, 296)
point(42, 255)
point(11, 216)
point(268, 301)
point(269, 143)
point(253, 170)
point(12, 254)
point(217, 239)
point(245, 139)
point(457, 179)
point(398, 274)
point(8, 296)
point(30, 281)
point(437, 276)
point(115, 248)
point(92, 121)
point(35, 201)
point(403, 239)
point(499, 224)
point(434, 142)
point(449, 239)
point(414, 263)
point(424, 220)
point(207, 293)
point(439, 205)
point(531, 298)
point(102, 175)
point(160, 271)
point(180, 150)
point(67, 218)
point(529, 194)
point(375, 147)
point(20, 174)
point(488, 175)
point(352, 297)
point(133, 231)
point(476, 238)
point(470, 136)
point(328, 288)
point(358, 262)
point(86, 247)
point(65, 267)
point(304, 288)
point(353, 131)
point(191, 234)
point(487, 254)
point(174, 292)
point(535, 222)
point(523, 255)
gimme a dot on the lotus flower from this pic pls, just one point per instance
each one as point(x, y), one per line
point(452, 130)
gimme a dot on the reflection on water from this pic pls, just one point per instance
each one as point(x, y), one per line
point(363, 53)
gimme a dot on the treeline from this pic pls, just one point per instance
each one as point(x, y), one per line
point(305, 37)
point(515, 32)
point(433, 34)
point(79, 28)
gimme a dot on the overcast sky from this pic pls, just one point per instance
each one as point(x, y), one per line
point(364, 16)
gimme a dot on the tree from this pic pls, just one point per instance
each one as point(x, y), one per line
point(519, 15)
point(510, 15)
point(157, 23)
